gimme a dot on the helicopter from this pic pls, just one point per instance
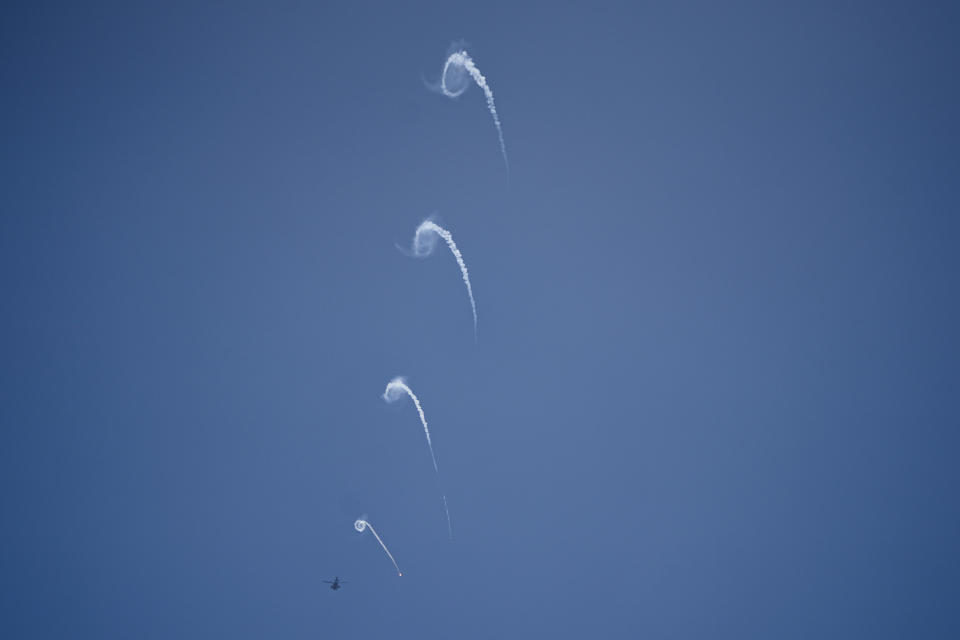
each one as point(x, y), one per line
point(336, 583)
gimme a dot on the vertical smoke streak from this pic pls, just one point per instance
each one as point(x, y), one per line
point(362, 524)
point(447, 511)
point(462, 59)
point(423, 244)
point(392, 393)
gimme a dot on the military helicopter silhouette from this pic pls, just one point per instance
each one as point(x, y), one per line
point(336, 583)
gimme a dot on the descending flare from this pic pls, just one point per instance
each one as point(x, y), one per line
point(463, 60)
point(424, 241)
point(362, 524)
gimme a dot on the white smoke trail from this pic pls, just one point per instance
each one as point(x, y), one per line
point(362, 524)
point(423, 243)
point(397, 387)
point(462, 59)
point(392, 393)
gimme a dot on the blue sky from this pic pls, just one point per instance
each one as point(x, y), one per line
point(714, 388)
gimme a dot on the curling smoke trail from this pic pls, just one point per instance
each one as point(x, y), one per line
point(423, 242)
point(362, 524)
point(392, 393)
point(462, 59)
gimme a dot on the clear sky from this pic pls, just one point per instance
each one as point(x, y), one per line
point(714, 391)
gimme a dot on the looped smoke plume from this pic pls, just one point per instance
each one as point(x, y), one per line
point(462, 59)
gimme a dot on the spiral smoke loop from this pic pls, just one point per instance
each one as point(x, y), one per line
point(462, 59)
point(360, 525)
